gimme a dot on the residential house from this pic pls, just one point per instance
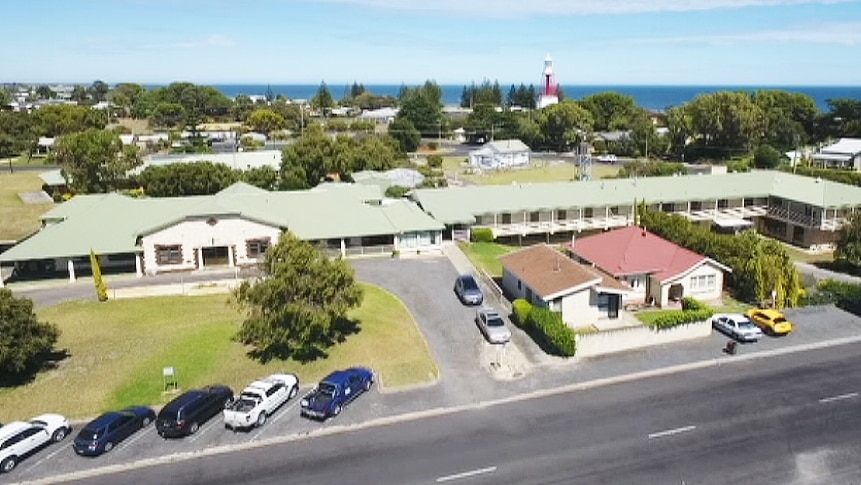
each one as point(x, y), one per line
point(500, 155)
point(548, 278)
point(382, 116)
point(655, 269)
point(844, 154)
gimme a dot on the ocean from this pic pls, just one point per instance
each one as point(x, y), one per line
point(649, 97)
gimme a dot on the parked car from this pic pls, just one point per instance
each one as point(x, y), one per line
point(19, 439)
point(467, 290)
point(184, 415)
point(260, 399)
point(109, 429)
point(737, 326)
point(771, 321)
point(492, 326)
point(609, 158)
point(336, 391)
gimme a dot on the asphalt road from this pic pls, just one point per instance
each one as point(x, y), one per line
point(786, 420)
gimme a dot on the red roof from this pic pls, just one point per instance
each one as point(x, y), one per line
point(632, 250)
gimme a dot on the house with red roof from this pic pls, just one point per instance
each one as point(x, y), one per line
point(545, 277)
point(655, 269)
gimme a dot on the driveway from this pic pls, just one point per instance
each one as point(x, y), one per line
point(426, 286)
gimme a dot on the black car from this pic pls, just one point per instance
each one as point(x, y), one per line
point(103, 433)
point(467, 290)
point(184, 415)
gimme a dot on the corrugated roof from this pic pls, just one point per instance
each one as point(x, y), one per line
point(547, 272)
point(461, 204)
point(111, 223)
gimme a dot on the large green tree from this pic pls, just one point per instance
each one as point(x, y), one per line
point(94, 161)
point(24, 340)
point(168, 115)
point(266, 121)
point(16, 133)
point(563, 125)
point(848, 250)
point(299, 307)
point(422, 106)
point(406, 134)
point(184, 179)
point(56, 120)
point(323, 100)
point(611, 110)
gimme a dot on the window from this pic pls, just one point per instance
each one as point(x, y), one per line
point(614, 211)
point(168, 254)
point(587, 213)
point(696, 205)
point(534, 216)
point(668, 207)
point(723, 203)
point(703, 282)
point(561, 215)
point(519, 285)
point(603, 303)
point(506, 218)
point(257, 247)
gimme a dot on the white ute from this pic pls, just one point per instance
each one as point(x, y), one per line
point(260, 399)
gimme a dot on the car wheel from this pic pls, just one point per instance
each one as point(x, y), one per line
point(194, 427)
point(109, 446)
point(293, 391)
point(59, 435)
point(146, 421)
point(368, 385)
point(337, 410)
point(261, 420)
point(8, 464)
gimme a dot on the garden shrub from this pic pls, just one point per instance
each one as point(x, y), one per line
point(550, 326)
point(482, 234)
point(674, 319)
point(522, 309)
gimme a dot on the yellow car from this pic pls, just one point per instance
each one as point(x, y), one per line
point(770, 321)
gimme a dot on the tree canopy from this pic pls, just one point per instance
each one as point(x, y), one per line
point(266, 121)
point(848, 250)
point(23, 338)
point(323, 100)
point(299, 308)
point(422, 106)
point(95, 161)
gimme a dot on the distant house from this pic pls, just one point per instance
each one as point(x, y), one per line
point(500, 155)
point(653, 268)
point(545, 277)
point(845, 154)
point(45, 144)
point(381, 116)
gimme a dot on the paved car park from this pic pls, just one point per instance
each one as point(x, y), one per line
point(425, 284)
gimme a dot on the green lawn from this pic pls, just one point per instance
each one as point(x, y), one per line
point(117, 350)
point(805, 257)
point(19, 220)
point(537, 173)
point(485, 256)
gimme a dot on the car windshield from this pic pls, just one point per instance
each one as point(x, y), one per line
point(746, 324)
point(495, 321)
point(92, 434)
point(779, 320)
point(327, 389)
point(36, 422)
point(469, 283)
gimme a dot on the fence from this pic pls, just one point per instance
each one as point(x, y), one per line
point(490, 283)
point(631, 338)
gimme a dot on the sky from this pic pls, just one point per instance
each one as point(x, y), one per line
point(592, 42)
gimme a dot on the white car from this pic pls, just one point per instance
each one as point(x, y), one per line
point(492, 326)
point(737, 326)
point(19, 439)
point(609, 158)
point(260, 399)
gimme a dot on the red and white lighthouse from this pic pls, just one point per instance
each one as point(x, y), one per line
point(550, 93)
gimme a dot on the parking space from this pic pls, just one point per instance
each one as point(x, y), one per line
point(426, 286)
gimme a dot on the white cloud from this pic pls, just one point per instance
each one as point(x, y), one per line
point(846, 34)
point(518, 8)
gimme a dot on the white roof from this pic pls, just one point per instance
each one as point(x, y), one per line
point(844, 146)
point(127, 139)
point(240, 160)
point(45, 141)
point(382, 113)
point(507, 146)
point(728, 222)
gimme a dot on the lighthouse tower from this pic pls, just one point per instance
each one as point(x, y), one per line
point(550, 92)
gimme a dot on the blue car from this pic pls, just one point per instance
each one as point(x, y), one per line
point(467, 290)
point(106, 431)
point(335, 391)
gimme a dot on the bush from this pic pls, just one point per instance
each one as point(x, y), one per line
point(550, 326)
point(692, 304)
point(397, 192)
point(674, 319)
point(482, 234)
point(522, 309)
point(738, 166)
point(435, 161)
point(767, 157)
point(433, 146)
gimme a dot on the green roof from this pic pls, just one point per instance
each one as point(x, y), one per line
point(461, 204)
point(111, 223)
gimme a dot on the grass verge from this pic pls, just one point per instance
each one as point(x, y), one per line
point(117, 350)
point(485, 255)
point(537, 173)
point(18, 219)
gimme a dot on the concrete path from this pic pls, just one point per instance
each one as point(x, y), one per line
point(825, 274)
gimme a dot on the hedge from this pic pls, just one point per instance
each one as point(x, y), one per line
point(548, 325)
point(674, 319)
point(846, 296)
point(482, 234)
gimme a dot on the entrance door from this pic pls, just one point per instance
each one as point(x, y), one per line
point(613, 306)
point(215, 256)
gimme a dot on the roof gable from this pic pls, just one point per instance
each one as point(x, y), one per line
point(633, 250)
point(547, 272)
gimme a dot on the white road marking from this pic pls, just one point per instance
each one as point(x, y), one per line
point(281, 412)
point(140, 434)
point(206, 428)
point(469, 474)
point(838, 398)
point(670, 432)
point(46, 458)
